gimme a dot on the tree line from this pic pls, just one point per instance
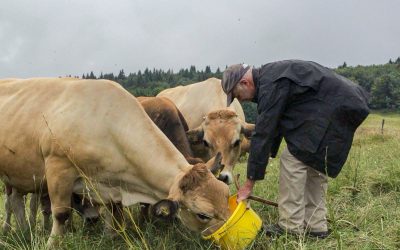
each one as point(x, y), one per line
point(381, 81)
point(151, 81)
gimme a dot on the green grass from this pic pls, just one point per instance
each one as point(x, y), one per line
point(363, 206)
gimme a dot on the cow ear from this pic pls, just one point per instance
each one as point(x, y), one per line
point(247, 129)
point(193, 178)
point(195, 136)
point(215, 165)
point(165, 209)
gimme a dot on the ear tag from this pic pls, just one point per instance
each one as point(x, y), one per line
point(164, 211)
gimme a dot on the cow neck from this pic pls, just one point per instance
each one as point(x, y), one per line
point(168, 181)
point(154, 161)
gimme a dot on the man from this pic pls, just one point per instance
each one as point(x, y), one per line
point(317, 112)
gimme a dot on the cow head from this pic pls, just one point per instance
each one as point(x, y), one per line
point(221, 131)
point(198, 198)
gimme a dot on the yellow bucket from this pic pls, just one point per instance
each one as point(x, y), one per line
point(240, 229)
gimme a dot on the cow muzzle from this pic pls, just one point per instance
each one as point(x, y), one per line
point(225, 177)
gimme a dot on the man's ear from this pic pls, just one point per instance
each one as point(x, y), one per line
point(165, 209)
point(244, 83)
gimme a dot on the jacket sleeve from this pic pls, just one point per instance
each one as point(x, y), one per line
point(272, 100)
point(275, 145)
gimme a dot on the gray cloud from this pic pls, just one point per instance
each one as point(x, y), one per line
point(57, 38)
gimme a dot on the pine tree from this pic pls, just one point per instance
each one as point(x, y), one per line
point(208, 70)
point(121, 75)
point(92, 76)
point(344, 65)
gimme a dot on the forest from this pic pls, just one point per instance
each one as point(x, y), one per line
point(381, 81)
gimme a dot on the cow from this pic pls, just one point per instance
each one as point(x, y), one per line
point(196, 100)
point(168, 119)
point(92, 137)
point(213, 126)
point(221, 131)
point(171, 122)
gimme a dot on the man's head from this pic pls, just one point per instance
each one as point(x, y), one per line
point(237, 81)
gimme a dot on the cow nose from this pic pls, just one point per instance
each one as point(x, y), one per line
point(224, 178)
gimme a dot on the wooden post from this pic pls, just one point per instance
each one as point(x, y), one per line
point(383, 123)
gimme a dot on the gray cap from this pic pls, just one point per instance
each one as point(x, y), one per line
point(232, 75)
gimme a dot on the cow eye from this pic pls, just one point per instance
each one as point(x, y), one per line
point(236, 144)
point(203, 217)
point(206, 144)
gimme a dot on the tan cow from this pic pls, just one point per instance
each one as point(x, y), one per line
point(213, 127)
point(168, 119)
point(221, 131)
point(196, 100)
point(93, 136)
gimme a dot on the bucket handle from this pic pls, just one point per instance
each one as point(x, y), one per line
point(253, 197)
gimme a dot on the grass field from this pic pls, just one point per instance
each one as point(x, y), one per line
point(363, 206)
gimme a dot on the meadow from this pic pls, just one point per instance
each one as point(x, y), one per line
point(363, 206)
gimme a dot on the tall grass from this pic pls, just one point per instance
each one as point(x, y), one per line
point(363, 207)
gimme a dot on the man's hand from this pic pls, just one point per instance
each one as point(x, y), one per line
point(245, 191)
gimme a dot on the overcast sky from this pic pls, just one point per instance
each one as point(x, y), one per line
point(71, 37)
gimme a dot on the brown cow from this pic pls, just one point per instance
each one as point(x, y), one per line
point(171, 122)
point(92, 137)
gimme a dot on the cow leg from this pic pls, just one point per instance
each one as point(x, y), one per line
point(8, 209)
point(18, 209)
point(114, 219)
point(33, 205)
point(46, 211)
point(144, 215)
point(70, 222)
point(60, 175)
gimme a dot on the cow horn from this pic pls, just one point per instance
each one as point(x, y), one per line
point(217, 165)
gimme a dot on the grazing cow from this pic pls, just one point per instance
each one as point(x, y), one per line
point(92, 137)
point(203, 105)
point(168, 119)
